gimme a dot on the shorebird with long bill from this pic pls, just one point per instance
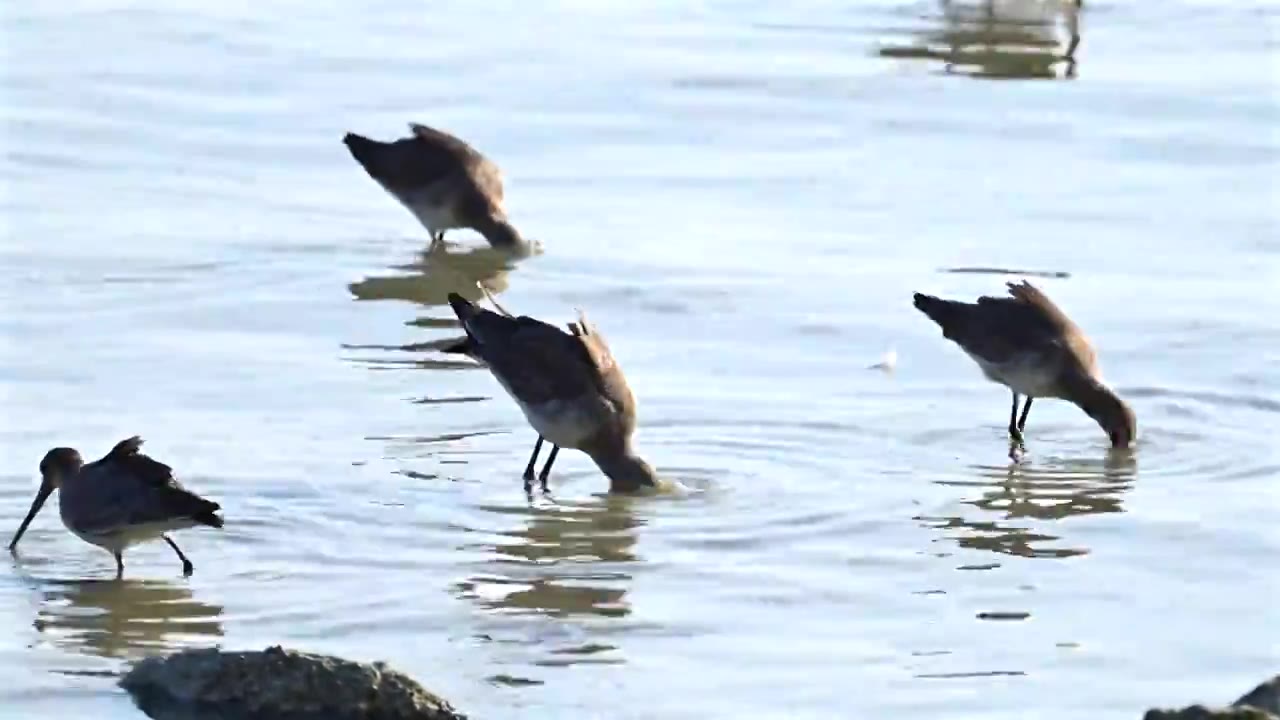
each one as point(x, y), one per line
point(123, 499)
point(568, 385)
point(443, 181)
point(1026, 343)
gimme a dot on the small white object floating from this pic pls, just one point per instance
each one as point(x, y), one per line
point(888, 362)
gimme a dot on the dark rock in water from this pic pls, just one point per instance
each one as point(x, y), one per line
point(1260, 703)
point(277, 684)
point(1200, 712)
point(1264, 697)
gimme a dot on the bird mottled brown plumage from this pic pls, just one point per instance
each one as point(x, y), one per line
point(1027, 343)
point(120, 500)
point(442, 180)
point(568, 384)
point(171, 498)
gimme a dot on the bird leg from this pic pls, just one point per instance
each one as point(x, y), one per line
point(187, 567)
point(493, 300)
point(1022, 421)
point(537, 447)
point(119, 564)
point(528, 470)
point(546, 469)
point(437, 240)
point(1014, 433)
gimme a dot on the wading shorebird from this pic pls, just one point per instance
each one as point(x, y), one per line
point(1027, 344)
point(568, 386)
point(442, 180)
point(123, 499)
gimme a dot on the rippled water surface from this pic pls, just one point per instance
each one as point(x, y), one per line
point(743, 197)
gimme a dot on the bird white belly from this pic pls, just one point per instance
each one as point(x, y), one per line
point(1026, 375)
point(432, 208)
point(434, 218)
point(117, 539)
point(567, 424)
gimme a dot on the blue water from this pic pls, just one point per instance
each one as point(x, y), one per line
point(743, 197)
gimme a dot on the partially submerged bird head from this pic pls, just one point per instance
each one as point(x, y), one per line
point(502, 235)
point(627, 472)
point(58, 465)
point(1112, 414)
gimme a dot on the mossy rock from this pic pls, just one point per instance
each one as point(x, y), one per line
point(277, 684)
point(1264, 697)
point(1200, 712)
point(1260, 703)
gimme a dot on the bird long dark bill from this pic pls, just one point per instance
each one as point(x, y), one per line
point(46, 489)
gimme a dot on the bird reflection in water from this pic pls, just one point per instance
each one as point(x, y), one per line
point(1022, 495)
point(124, 618)
point(1008, 39)
point(569, 559)
point(570, 562)
point(435, 273)
point(476, 274)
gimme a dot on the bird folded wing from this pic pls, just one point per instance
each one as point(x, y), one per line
point(170, 503)
point(446, 147)
point(433, 136)
point(606, 376)
point(126, 501)
point(1002, 328)
point(1049, 313)
point(539, 362)
point(127, 456)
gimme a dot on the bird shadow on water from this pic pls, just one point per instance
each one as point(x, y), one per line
point(123, 619)
point(566, 562)
point(1012, 500)
point(997, 39)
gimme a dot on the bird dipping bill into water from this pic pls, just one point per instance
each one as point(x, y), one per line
point(1026, 343)
point(568, 385)
point(442, 180)
point(123, 499)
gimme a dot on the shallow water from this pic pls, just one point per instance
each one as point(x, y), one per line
point(743, 197)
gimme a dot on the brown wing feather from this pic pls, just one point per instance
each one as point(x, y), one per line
point(595, 347)
point(426, 157)
point(539, 362)
point(128, 454)
point(1050, 314)
point(998, 328)
point(1069, 337)
point(536, 361)
point(126, 463)
point(1026, 323)
point(439, 138)
point(606, 374)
